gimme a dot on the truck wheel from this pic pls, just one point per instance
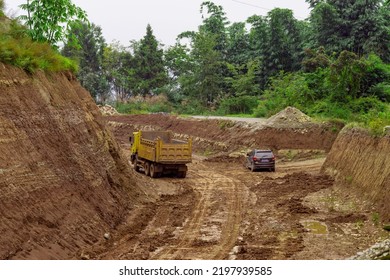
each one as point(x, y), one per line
point(147, 168)
point(153, 172)
point(132, 159)
point(136, 167)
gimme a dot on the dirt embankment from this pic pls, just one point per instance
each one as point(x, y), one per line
point(63, 181)
point(361, 164)
point(227, 136)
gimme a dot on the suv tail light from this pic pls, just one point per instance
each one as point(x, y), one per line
point(254, 158)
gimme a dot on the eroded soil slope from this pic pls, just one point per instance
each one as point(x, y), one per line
point(361, 164)
point(63, 181)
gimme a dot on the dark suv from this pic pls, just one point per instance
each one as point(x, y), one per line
point(260, 159)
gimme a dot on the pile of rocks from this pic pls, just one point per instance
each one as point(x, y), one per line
point(108, 110)
point(289, 118)
point(378, 251)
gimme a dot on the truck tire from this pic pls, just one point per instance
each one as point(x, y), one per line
point(152, 171)
point(136, 167)
point(181, 174)
point(147, 168)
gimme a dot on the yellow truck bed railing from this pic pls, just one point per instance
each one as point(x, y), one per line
point(163, 149)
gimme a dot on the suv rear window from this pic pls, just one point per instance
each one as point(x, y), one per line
point(264, 153)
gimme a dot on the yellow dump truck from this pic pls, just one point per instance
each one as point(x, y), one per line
point(157, 153)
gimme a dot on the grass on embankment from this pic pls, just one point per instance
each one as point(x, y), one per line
point(16, 48)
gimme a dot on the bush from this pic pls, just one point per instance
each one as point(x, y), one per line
point(17, 49)
point(381, 91)
point(366, 104)
point(140, 105)
point(376, 121)
point(238, 105)
point(191, 107)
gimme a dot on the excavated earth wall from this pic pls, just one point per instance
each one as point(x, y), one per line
point(63, 180)
point(228, 136)
point(361, 164)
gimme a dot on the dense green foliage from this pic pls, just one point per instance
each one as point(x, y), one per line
point(49, 20)
point(91, 75)
point(149, 71)
point(2, 4)
point(335, 64)
point(17, 48)
point(33, 47)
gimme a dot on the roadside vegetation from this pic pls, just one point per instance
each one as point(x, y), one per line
point(333, 65)
point(35, 47)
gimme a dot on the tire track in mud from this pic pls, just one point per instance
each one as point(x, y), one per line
point(212, 230)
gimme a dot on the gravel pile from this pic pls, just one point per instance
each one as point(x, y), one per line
point(289, 118)
point(376, 252)
point(108, 110)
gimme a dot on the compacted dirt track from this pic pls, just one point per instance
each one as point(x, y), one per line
point(221, 210)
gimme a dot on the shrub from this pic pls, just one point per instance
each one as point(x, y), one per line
point(381, 91)
point(17, 49)
point(140, 105)
point(238, 105)
point(366, 104)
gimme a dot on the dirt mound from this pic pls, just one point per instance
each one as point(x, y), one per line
point(289, 118)
point(108, 110)
point(361, 164)
point(63, 180)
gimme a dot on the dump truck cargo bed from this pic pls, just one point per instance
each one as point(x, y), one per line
point(157, 151)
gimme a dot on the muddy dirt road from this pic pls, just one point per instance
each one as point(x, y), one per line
point(224, 211)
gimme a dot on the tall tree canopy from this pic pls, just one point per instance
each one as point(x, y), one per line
point(150, 70)
point(86, 46)
point(357, 26)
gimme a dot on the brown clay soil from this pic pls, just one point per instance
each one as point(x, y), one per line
point(221, 210)
point(67, 190)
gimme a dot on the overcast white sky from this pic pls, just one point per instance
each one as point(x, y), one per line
point(126, 20)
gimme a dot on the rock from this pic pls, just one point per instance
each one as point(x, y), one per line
point(107, 236)
point(85, 257)
point(108, 110)
point(386, 227)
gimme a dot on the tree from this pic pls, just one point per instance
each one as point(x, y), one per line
point(208, 64)
point(149, 64)
point(179, 63)
point(238, 48)
point(215, 24)
point(86, 46)
point(258, 36)
point(356, 26)
point(283, 50)
point(325, 22)
point(119, 68)
point(243, 80)
point(49, 20)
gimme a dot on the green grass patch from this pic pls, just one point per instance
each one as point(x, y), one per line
point(17, 49)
